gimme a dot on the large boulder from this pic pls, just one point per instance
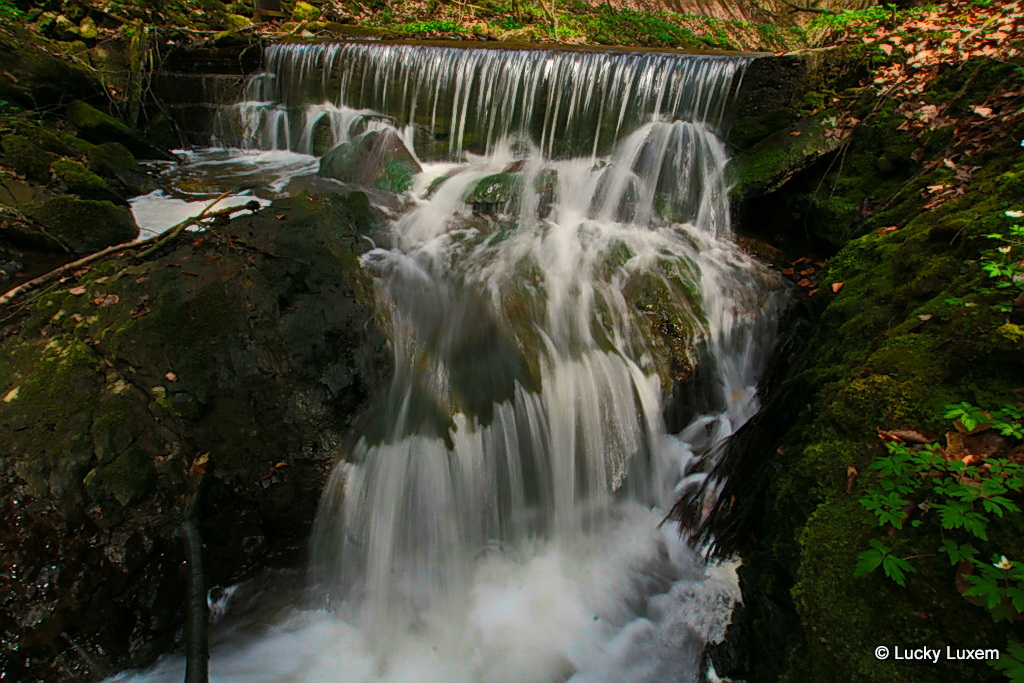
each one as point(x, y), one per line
point(98, 127)
point(248, 352)
point(34, 78)
point(84, 225)
point(377, 159)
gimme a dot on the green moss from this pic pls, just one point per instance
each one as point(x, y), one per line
point(85, 225)
point(304, 11)
point(84, 116)
point(77, 177)
point(397, 176)
point(128, 479)
point(27, 158)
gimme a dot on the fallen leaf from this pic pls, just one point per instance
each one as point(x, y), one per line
point(106, 300)
point(925, 317)
point(171, 377)
point(887, 49)
point(836, 286)
point(804, 282)
point(794, 133)
point(788, 271)
point(888, 230)
point(77, 291)
point(807, 271)
point(982, 111)
point(907, 435)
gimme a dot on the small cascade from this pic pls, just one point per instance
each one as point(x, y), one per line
point(566, 257)
point(568, 103)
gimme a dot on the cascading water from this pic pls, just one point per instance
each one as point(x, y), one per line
point(499, 520)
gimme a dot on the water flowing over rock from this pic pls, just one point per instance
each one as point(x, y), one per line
point(570, 103)
point(566, 260)
point(563, 261)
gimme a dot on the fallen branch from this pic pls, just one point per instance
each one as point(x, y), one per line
point(171, 234)
point(157, 241)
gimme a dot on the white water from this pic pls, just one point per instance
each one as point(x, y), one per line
point(500, 520)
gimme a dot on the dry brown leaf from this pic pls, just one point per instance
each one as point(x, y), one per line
point(77, 291)
point(171, 377)
point(106, 300)
point(836, 286)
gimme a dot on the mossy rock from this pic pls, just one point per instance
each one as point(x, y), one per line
point(35, 77)
point(27, 158)
point(78, 178)
point(55, 141)
point(98, 127)
point(85, 225)
point(115, 163)
point(304, 11)
point(236, 21)
point(87, 29)
point(262, 354)
point(377, 159)
point(496, 193)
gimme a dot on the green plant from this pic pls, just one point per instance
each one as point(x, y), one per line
point(1004, 263)
point(1011, 662)
point(923, 484)
point(8, 10)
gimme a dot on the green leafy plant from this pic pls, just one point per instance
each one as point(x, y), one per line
point(8, 10)
point(1003, 264)
point(921, 485)
point(1011, 662)
point(881, 555)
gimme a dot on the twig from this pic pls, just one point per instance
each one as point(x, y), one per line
point(177, 229)
point(156, 241)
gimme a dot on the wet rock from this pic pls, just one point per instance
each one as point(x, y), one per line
point(376, 159)
point(84, 225)
point(255, 346)
point(768, 165)
point(98, 128)
point(495, 193)
point(119, 167)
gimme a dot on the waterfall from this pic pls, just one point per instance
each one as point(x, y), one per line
point(498, 519)
point(571, 103)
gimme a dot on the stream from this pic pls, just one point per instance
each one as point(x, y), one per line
point(501, 517)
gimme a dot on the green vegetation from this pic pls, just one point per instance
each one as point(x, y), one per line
point(949, 497)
